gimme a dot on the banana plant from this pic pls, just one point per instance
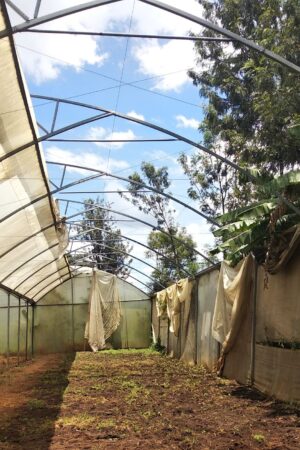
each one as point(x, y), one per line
point(260, 227)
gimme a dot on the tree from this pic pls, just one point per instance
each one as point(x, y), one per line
point(214, 184)
point(252, 101)
point(169, 239)
point(108, 249)
point(264, 227)
point(167, 270)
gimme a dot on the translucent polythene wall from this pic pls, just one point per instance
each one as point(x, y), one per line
point(60, 317)
point(15, 327)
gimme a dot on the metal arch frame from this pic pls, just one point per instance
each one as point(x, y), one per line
point(54, 133)
point(145, 123)
point(76, 276)
point(97, 205)
point(40, 268)
point(157, 4)
point(99, 174)
point(29, 260)
point(132, 256)
point(48, 276)
point(136, 279)
point(129, 239)
point(124, 252)
point(107, 113)
point(17, 294)
point(45, 228)
point(69, 275)
point(126, 265)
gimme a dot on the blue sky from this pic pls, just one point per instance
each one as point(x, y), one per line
point(95, 71)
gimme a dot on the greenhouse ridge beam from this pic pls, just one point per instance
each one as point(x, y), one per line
point(110, 140)
point(132, 35)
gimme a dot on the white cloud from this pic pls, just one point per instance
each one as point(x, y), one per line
point(200, 234)
point(135, 115)
point(173, 58)
point(85, 159)
point(184, 122)
point(103, 133)
point(78, 51)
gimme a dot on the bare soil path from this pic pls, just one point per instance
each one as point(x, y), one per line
point(135, 400)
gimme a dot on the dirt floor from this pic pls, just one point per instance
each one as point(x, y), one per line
point(135, 399)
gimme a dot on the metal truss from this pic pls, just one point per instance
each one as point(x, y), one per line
point(132, 35)
point(128, 254)
point(144, 123)
point(131, 240)
point(28, 24)
point(107, 258)
point(98, 174)
point(153, 227)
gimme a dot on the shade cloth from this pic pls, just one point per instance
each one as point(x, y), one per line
point(32, 238)
point(104, 309)
point(168, 300)
point(233, 295)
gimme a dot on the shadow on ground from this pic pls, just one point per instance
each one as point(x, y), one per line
point(29, 411)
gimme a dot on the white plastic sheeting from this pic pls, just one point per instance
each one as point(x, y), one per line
point(31, 245)
point(104, 309)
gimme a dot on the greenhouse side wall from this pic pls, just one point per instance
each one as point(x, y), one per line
point(16, 317)
point(266, 350)
point(194, 344)
point(61, 315)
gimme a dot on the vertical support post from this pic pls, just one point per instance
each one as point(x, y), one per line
point(253, 330)
point(8, 328)
point(195, 294)
point(26, 335)
point(32, 329)
point(158, 335)
point(19, 328)
point(168, 336)
point(73, 330)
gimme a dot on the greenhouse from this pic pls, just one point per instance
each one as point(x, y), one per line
point(150, 224)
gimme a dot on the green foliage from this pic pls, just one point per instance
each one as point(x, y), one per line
point(168, 238)
point(252, 115)
point(260, 227)
point(108, 248)
point(258, 438)
point(171, 269)
point(158, 347)
point(252, 100)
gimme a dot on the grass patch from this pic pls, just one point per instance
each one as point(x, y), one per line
point(106, 423)
point(258, 438)
point(78, 421)
point(36, 403)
